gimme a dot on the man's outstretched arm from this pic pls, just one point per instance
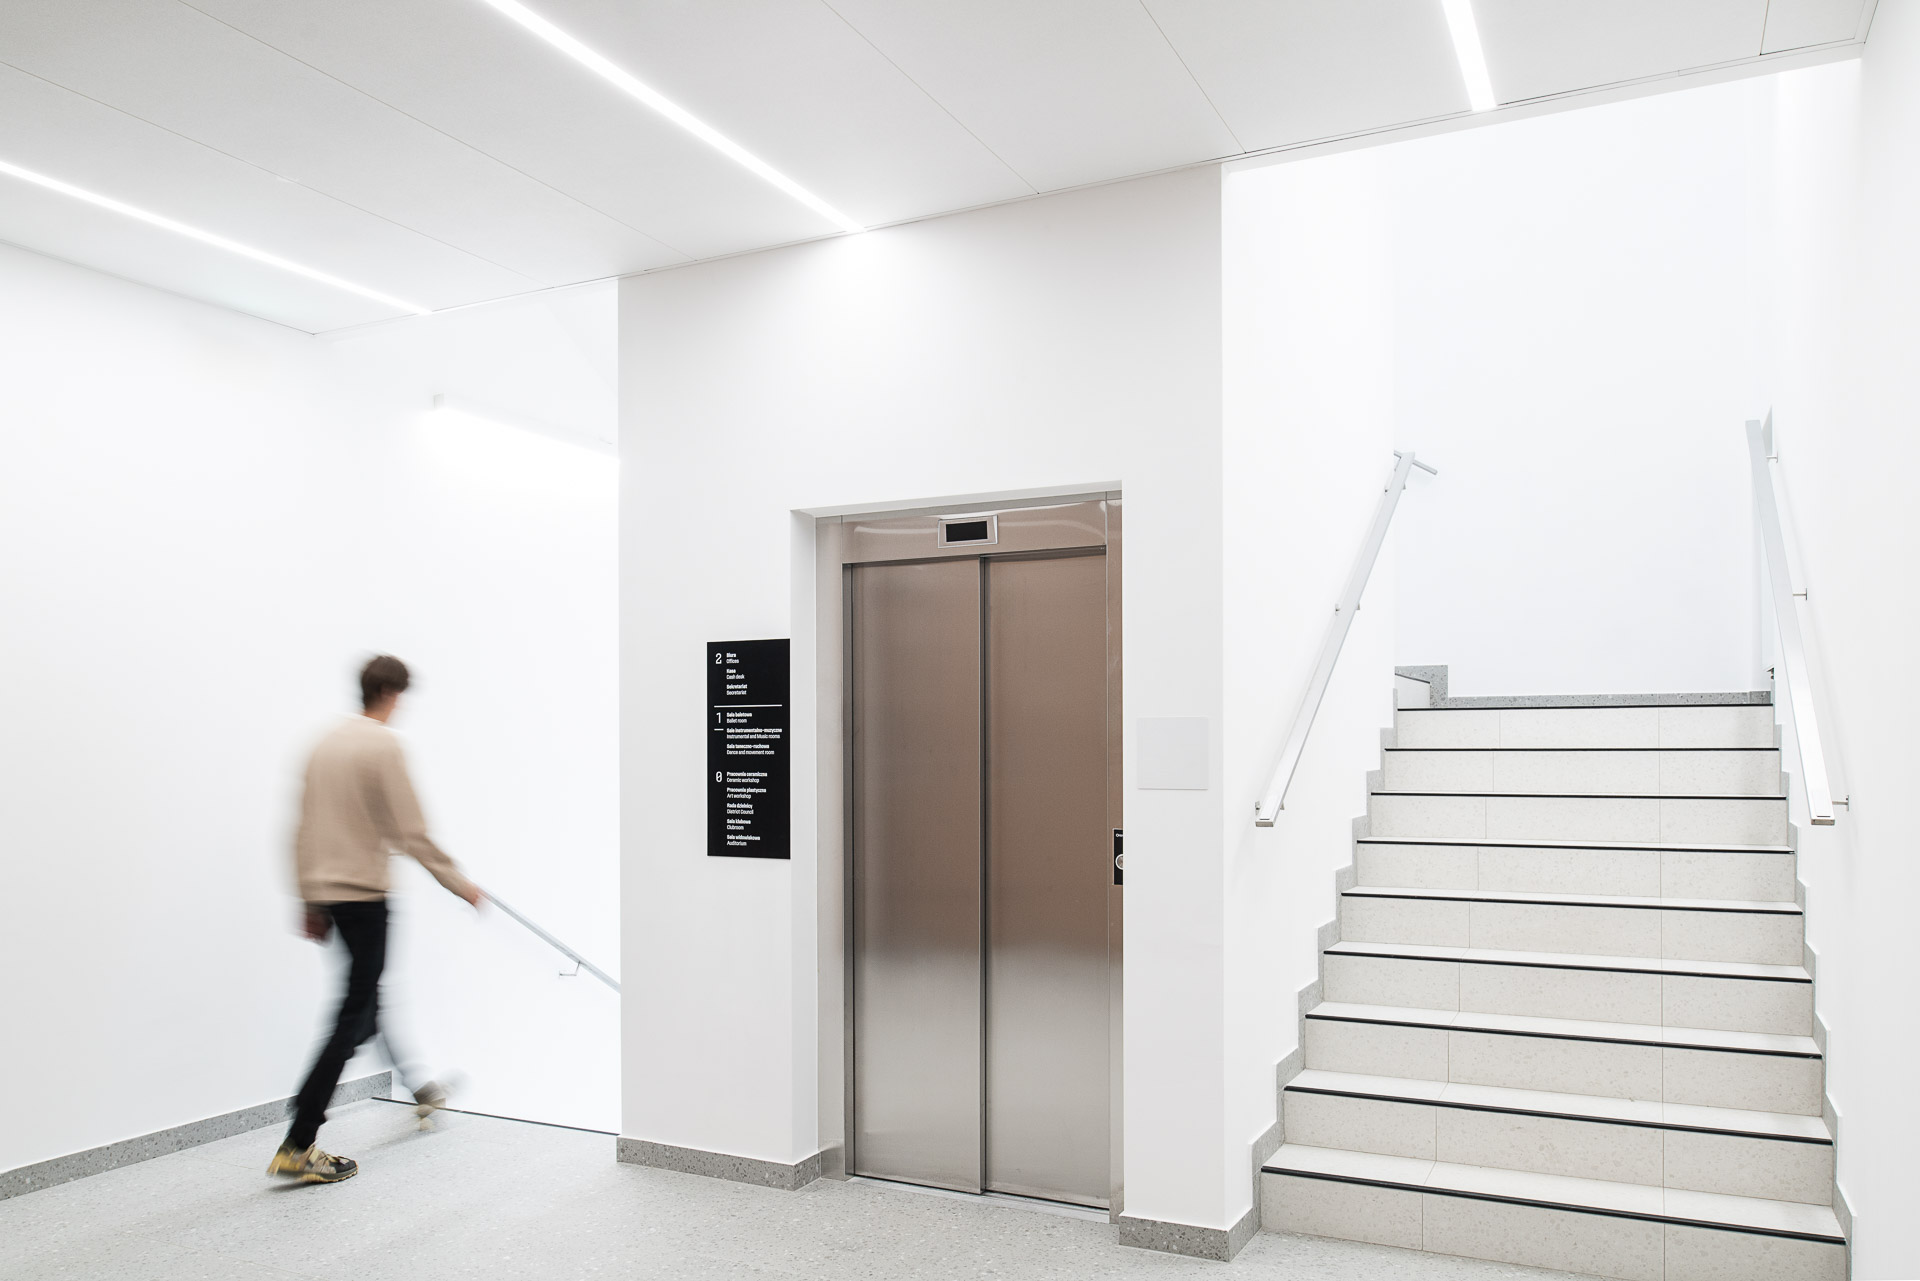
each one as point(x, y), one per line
point(407, 826)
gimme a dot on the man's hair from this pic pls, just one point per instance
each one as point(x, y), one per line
point(383, 675)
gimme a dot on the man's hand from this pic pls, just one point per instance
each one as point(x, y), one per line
point(317, 924)
point(473, 896)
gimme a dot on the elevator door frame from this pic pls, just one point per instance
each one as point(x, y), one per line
point(1038, 531)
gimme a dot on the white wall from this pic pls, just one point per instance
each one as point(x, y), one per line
point(502, 591)
point(1845, 262)
point(1576, 319)
point(1069, 343)
point(205, 520)
point(171, 625)
point(1308, 447)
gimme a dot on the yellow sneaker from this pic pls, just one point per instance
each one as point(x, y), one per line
point(311, 1166)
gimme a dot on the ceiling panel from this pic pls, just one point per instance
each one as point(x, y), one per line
point(435, 151)
point(465, 70)
point(1291, 71)
point(1066, 92)
point(793, 83)
point(1795, 24)
point(182, 70)
point(69, 137)
point(47, 223)
point(1540, 47)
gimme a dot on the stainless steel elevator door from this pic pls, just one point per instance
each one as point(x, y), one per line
point(1048, 870)
point(916, 803)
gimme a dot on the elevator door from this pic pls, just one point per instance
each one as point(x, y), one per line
point(980, 875)
point(916, 882)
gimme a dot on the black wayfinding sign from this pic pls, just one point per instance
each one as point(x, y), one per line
point(749, 767)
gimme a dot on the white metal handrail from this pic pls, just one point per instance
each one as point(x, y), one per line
point(1787, 604)
point(1275, 798)
point(555, 943)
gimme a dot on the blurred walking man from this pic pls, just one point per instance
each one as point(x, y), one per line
point(358, 808)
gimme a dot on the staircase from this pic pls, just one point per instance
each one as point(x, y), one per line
point(1568, 1023)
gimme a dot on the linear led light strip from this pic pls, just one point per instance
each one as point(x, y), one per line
point(631, 85)
point(1473, 59)
point(207, 237)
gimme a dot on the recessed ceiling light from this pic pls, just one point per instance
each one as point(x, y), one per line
point(1473, 60)
point(207, 237)
point(629, 84)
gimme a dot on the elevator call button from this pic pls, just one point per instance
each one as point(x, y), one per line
point(749, 764)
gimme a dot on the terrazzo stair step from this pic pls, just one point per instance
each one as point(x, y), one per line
point(1726, 995)
point(1700, 1149)
point(1687, 771)
point(1581, 818)
point(1612, 925)
point(1710, 1067)
point(1631, 1231)
point(1647, 728)
point(1754, 872)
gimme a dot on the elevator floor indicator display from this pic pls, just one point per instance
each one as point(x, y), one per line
point(749, 766)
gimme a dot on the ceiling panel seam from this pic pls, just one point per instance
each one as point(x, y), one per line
point(1182, 58)
point(948, 111)
point(1755, 64)
point(1866, 20)
point(424, 124)
point(1618, 90)
point(259, 168)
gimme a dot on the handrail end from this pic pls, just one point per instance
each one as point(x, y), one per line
point(1818, 821)
point(1262, 822)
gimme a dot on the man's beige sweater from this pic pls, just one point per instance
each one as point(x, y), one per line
point(358, 808)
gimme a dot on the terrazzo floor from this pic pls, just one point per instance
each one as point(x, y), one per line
point(478, 1197)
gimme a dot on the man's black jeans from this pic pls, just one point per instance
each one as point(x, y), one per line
point(363, 928)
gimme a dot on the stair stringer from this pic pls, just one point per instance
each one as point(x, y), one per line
point(1810, 959)
point(1344, 878)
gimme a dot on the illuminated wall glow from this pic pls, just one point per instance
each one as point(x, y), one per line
point(501, 454)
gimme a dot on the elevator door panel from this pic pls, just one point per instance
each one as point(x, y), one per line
point(916, 809)
point(1048, 869)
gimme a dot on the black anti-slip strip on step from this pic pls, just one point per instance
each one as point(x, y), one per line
point(1558, 1116)
point(1579, 749)
point(1570, 1036)
point(1601, 847)
point(1817, 1237)
point(1595, 796)
point(1647, 968)
point(1466, 703)
point(1462, 896)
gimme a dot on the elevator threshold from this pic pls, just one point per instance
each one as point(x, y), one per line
point(1066, 1209)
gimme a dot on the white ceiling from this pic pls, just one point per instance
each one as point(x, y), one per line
point(434, 151)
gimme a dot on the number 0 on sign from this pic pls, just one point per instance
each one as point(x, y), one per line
point(749, 793)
